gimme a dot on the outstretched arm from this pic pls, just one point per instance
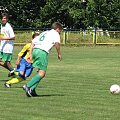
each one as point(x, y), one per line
point(57, 46)
point(30, 55)
point(7, 38)
point(18, 60)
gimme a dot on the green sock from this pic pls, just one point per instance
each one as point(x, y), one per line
point(10, 68)
point(34, 81)
point(34, 86)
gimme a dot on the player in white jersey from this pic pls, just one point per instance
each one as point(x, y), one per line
point(39, 51)
point(7, 38)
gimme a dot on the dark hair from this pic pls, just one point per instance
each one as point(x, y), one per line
point(56, 25)
point(35, 34)
point(4, 15)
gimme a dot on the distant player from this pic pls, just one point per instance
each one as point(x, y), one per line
point(24, 67)
point(7, 38)
point(39, 51)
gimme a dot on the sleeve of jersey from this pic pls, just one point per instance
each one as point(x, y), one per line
point(23, 50)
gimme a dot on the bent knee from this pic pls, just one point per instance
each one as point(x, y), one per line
point(22, 73)
point(42, 73)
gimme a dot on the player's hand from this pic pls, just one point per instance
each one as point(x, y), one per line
point(17, 62)
point(29, 59)
point(60, 57)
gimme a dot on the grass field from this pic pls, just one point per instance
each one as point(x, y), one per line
point(77, 88)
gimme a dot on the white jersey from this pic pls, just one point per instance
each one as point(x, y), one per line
point(46, 40)
point(7, 45)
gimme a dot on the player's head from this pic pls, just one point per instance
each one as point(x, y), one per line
point(4, 18)
point(57, 26)
point(35, 34)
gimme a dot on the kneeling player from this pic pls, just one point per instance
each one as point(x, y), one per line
point(24, 67)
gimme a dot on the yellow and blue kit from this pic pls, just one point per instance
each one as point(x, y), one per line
point(24, 66)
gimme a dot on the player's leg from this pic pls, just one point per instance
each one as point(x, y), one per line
point(6, 65)
point(13, 81)
point(28, 70)
point(20, 70)
point(31, 86)
point(18, 73)
point(39, 61)
point(5, 61)
point(36, 79)
point(1, 54)
point(9, 66)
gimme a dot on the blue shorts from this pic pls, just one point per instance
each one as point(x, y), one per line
point(25, 67)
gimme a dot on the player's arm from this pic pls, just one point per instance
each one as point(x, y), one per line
point(2, 37)
point(8, 38)
point(18, 60)
point(21, 53)
point(57, 46)
point(31, 49)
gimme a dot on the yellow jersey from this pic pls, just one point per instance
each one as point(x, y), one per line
point(24, 53)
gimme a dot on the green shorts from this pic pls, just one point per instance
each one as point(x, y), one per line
point(5, 56)
point(40, 59)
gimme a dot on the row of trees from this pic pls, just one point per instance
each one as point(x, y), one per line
point(71, 13)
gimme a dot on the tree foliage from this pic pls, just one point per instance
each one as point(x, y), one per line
point(71, 13)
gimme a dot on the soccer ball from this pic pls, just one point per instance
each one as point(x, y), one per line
point(115, 89)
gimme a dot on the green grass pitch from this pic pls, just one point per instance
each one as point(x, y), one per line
point(76, 88)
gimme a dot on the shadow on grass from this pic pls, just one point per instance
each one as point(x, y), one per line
point(49, 95)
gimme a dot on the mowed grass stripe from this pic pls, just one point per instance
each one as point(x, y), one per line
point(76, 88)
